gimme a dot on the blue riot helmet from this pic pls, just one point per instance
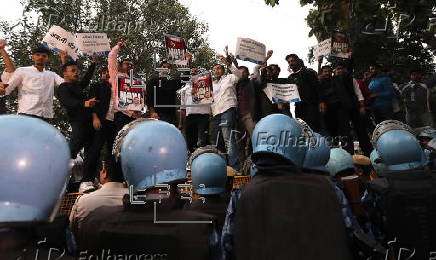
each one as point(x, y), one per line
point(34, 170)
point(340, 160)
point(153, 152)
point(209, 174)
point(399, 150)
point(379, 167)
point(318, 153)
point(280, 135)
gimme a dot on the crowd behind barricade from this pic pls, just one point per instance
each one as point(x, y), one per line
point(312, 194)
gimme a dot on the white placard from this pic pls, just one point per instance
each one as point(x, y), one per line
point(323, 48)
point(93, 43)
point(250, 50)
point(281, 93)
point(59, 39)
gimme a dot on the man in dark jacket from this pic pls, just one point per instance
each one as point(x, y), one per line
point(161, 94)
point(71, 94)
point(104, 129)
point(308, 87)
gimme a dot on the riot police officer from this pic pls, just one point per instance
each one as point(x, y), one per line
point(283, 213)
point(152, 222)
point(34, 163)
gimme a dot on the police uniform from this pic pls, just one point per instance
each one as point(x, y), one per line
point(131, 230)
point(303, 214)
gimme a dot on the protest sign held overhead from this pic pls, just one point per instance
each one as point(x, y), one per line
point(93, 43)
point(128, 95)
point(323, 48)
point(176, 49)
point(250, 50)
point(202, 89)
point(282, 92)
point(59, 39)
point(340, 46)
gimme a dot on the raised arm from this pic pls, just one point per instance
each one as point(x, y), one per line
point(90, 72)
point(10, 67)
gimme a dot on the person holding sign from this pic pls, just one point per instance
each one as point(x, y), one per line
point(72, 96)
point(161, 93)
point(224, 109)
point(194, 119)
point(116, 71)
point(35, 86)
point(306, 80)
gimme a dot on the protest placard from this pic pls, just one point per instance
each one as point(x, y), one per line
point(130, 97)
point(323, 48)
point(282, 92)
point(59, 39)
point(93, 43)
point(176, 49)
point(250, 50)
point(202, 89)
point(340, 46)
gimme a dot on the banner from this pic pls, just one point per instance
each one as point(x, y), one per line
point(59, 39)
point(323, 48)
point(176, 49)
point(202, 89)
point(280, 93)
point(250, 50)
point(128, 97)
point(93, 43)
point(340, 46)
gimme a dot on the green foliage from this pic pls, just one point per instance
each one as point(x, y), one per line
point(405, 43)
point(141, 23)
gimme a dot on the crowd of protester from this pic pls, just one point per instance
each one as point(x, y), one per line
point(360, 186)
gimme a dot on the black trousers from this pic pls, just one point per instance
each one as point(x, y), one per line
point(310, 114)
point(120, 120)
point(196, 130)
point(337, 121)
point(106, 135)
point(81, 137)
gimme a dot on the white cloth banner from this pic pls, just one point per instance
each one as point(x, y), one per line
point(59, 39)
point(281, 93)
point(250, 50)
point(93, 43)
point(323, 48)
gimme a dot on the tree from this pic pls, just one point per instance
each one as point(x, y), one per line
point(142, 24)
point(395, 33)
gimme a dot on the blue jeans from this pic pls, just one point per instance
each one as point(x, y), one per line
point(226, 124)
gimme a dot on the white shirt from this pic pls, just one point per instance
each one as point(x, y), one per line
point(110, 194)
point(6, 76)
point(224, 92)
point(357, 90)
point(35, 90)
point(186, 100)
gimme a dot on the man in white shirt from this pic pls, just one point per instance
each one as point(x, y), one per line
point(35, 86)
point(110, 194)
point(224, 109)
point(196, 119)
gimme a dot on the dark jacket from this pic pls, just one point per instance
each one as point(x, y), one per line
point(165, 94)
point(339, 89)
point(308, 85)
point(101, 91)
point(72, 96)
point(285, 214)
point(132, 230)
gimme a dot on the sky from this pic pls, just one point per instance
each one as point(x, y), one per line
point(282, 29)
